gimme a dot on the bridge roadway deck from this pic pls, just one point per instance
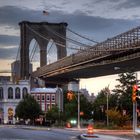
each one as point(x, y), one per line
point(101, 67)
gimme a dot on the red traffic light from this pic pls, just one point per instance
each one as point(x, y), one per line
point(135, 88)
point(134, 97)
point(134, 92)
point(70, 95)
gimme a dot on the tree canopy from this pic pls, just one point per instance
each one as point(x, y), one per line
point(28, 108)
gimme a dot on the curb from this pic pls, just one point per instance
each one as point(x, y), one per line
point(83, 137)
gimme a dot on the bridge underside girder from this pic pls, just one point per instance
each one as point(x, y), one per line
point(91, 70)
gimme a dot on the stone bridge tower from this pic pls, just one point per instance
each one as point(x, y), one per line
point(42, 32)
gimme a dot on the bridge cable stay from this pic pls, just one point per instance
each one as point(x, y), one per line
point(67, 39)
point(81, 35)
point(108, 41)
point(57, 43)
point(51, 52)
point(33, 51)
point(94, 48)
point(18, 52)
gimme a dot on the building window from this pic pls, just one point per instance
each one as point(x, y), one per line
point(38, 97)
point(1, 93)
point(48, 98)
point(24, 92)
point(10, 93)
point(43, 107)
point(43, 97)
point(17, 93)
point(53, 97)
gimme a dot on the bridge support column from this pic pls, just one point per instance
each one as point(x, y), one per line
point(43, 57)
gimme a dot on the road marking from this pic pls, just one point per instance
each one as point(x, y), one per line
point(74, 138)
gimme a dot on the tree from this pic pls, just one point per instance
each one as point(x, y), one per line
point(53, 114)
point(28, 108)
point(124, 91)
point(71, 107)
point(99, 105)
point(117, 118)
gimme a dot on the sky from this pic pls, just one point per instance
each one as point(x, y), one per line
point(96, 19)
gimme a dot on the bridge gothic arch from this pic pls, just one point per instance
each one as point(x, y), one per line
point(42, 32)
point(51, 52)
point(34, 54)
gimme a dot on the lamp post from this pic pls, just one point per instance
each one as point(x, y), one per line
point(108, 91)
point(78, 109)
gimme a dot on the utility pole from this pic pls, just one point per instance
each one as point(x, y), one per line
point(78, 109)
point(107, 108)
point(135, 109)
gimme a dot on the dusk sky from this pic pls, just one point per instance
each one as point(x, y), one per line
point(96, 19)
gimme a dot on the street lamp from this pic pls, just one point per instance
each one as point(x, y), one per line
point(108, 92)
point(78, 109)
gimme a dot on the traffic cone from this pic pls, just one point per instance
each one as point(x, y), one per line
point(90, 129)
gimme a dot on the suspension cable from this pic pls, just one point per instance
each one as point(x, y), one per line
point(18, 52)
point(89, 50)
point(82, 36)
point(33, 51)
point(68, 39)
point(49, 39)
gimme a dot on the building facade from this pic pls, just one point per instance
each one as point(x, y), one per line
point(48, 97)
point(10, 95)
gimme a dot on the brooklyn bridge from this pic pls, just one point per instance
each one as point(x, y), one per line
point(100, 59)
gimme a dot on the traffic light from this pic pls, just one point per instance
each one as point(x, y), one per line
point(70, 95)
point(134, 92)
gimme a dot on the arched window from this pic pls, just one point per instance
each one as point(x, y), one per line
point(17, 93)
point(24, 92)
point(1, 93)
point(10, 93)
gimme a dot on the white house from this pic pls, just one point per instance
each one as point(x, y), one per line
point(10, 95)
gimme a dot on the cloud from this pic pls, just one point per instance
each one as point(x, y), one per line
point(95, 27)
point(129, 4)
point(6, 40)
point(9, 53)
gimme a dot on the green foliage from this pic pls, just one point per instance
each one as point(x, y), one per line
point(99, 105)
point(53, 114)
point(120, 98)
point(71, 107)
point(116, 118)
point(124, 91)
point(28, 108)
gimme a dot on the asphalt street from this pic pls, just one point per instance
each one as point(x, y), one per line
point(11, 132)
point(16, 133)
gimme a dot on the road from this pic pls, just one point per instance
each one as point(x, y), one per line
point(9, 132)
point(16, 133)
